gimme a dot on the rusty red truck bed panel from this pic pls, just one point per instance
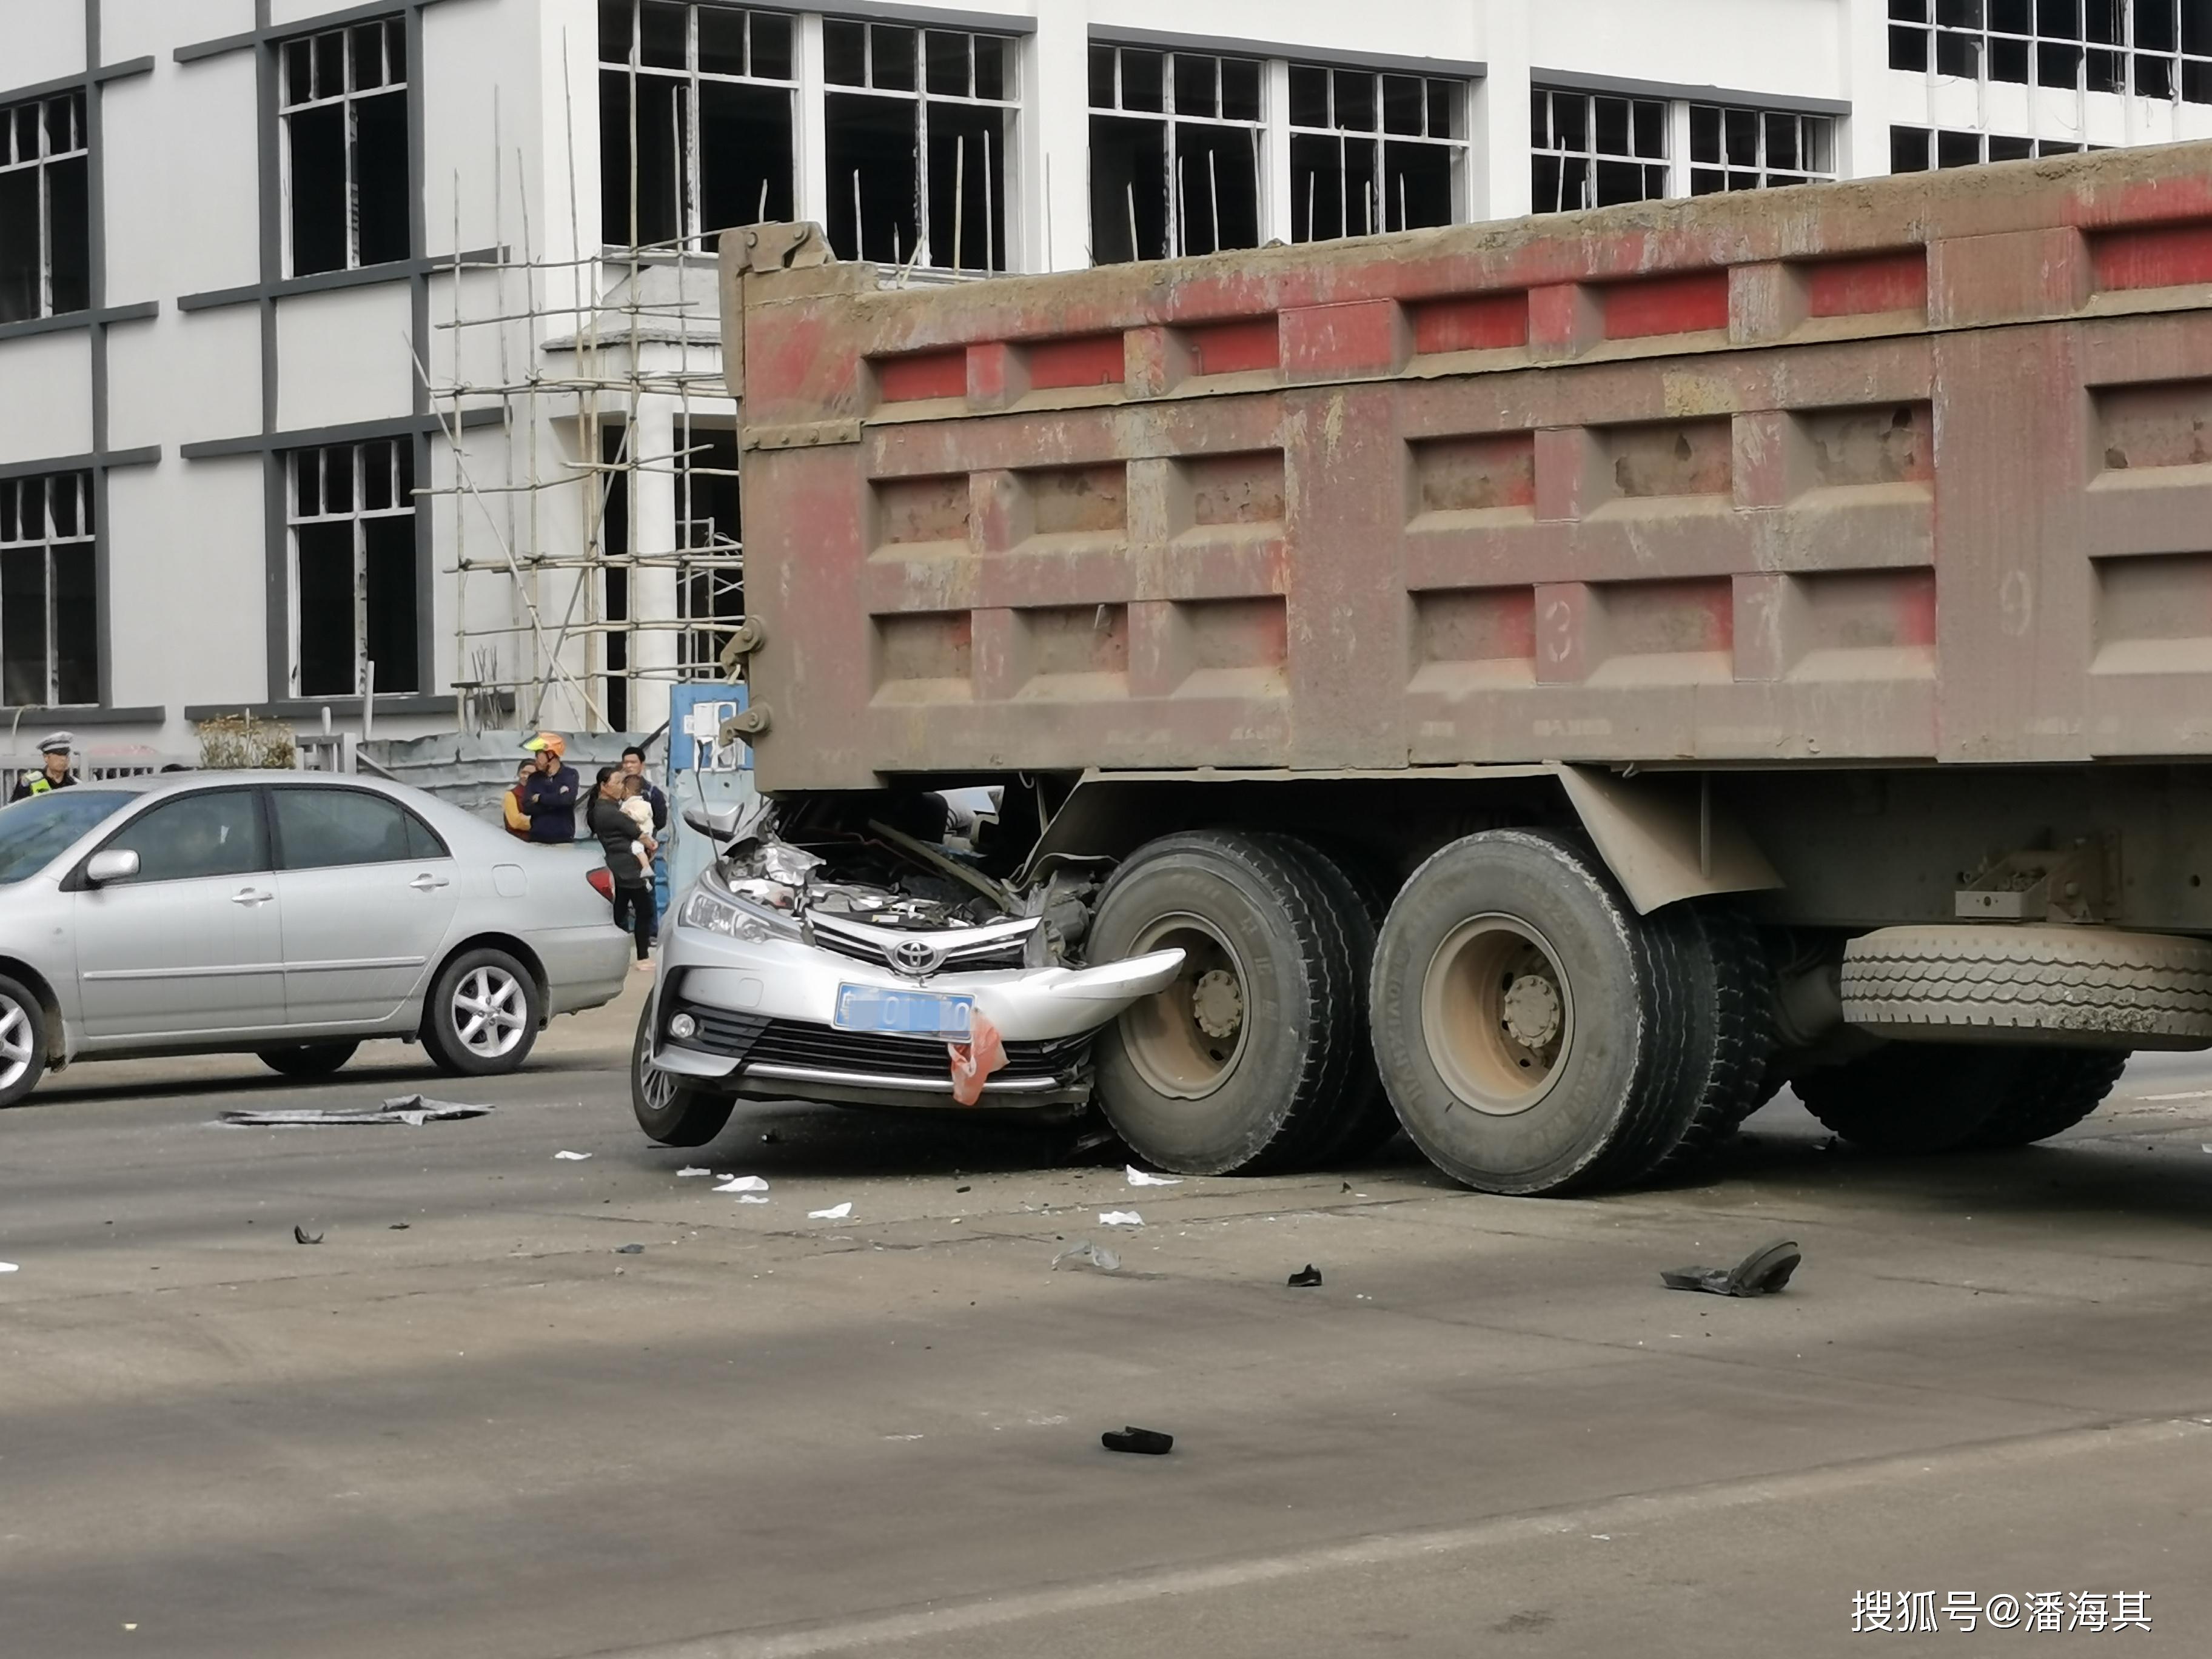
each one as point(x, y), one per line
point(1912, 469)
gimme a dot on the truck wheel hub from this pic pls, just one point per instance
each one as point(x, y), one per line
point(1217, 1003)
point(1530, 1011)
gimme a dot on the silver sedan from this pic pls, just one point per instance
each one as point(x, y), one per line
point(286, 914)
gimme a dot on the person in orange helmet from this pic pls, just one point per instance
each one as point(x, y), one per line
point(549, 800)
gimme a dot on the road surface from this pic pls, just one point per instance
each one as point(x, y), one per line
point(467, 1423)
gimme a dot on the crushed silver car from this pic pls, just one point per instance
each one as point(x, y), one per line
point(869, 968)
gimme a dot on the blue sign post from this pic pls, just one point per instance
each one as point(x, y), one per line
point(701, 767)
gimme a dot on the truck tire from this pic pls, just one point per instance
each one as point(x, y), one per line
point(1239, 1065)
point(2062, 1087)
point(1731, 1048)
point(1919, 1097)
point(1530, 1027)
point(306, 1058)
point(1363, 1119)
point(671, 1113)
point(2002, 984)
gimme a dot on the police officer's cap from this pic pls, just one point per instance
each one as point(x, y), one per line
point(60, 744)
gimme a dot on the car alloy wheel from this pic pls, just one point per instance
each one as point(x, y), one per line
point(18, 1043)
point(490, 1012)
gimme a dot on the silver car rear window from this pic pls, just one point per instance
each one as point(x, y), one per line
point(32, 832)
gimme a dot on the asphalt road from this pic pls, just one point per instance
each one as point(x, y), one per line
point(489, 1433)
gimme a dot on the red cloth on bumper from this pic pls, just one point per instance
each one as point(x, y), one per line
point(974, 1060)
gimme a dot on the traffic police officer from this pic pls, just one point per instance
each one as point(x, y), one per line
point(56, 774)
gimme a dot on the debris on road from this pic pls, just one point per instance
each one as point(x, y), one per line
point(1142, 1178)
point(629, 1249)
point(1096, 1257)
point(413, 1110)
point(690, 1169)
point(1306, 1275)
point(742, 1184)
point(397, 1227)
point(570, 1158)
point(1762, 1272)
point(835, 1212)
point(750, 1198)
point(1149, 1443)
point(301, 1236)
point(1120, 1219)
point(7, 1267)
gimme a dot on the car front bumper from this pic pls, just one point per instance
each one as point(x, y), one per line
point(763, 1013)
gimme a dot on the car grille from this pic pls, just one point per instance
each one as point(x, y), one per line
point(969, 954)
point(755, 1038)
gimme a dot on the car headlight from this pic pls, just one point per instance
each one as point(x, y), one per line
point(712, 913)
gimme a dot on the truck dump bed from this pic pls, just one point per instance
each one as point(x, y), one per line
point(1913, 469)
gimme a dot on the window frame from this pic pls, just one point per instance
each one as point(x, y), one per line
point(280, 858)
point(84, 541)
point(1175, 237)
point(691, 192)
point(1007, 106)
point(41, 164)
point(1458, 148)
point(1768, 175)
point(1918, 29)
point(391, 28)
point(402, 485)
point(1590, 155)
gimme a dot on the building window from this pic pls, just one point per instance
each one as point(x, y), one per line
point(1175, 153)
point(1591, 150)
point(1757, 150)
point(46, 224)
point(696, 116)
point(1373, 152)
point(918, 122)
point(354, 592)
point(344, 107)
point(49, 591)
point(2154, 48)
point(1916, 150)
point(710, 592)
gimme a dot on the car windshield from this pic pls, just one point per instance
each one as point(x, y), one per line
point(33, 831)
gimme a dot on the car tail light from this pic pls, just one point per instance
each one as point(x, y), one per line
point(603, 883)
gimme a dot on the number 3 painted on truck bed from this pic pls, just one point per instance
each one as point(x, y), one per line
point(2016, 602)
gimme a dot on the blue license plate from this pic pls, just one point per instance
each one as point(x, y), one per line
point(904, 1013)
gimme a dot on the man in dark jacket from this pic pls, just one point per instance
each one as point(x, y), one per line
point(549, 800)
point(617, 834)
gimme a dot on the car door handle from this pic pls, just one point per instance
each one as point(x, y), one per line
point(427, 883)
point(251, 895)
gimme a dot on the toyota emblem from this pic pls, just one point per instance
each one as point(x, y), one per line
point(916, 957)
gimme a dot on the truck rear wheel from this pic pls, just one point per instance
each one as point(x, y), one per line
point(1918, 1097)
point(1530, 1027)
point(2062, 1087)
point(1239, 1065)
point(1731, 1032)
point(1362, 1119)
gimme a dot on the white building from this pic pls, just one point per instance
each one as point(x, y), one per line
point(229, 229)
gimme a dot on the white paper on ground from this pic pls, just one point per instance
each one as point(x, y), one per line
point(1141, 1178)
point(742, 1184)
point(571, 1157)
point(7, 1267)
point(1120, 1219)
point(689, 1171)
point(750, 1198)
point(835, 1212)
point(1087, 1255)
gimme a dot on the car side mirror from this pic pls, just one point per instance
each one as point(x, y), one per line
point(110, 864)
point(719, 822)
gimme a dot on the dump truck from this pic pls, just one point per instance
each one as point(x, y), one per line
point(1555, 682)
